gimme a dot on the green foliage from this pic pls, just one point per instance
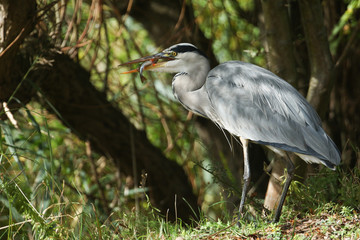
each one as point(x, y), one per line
point(349, 190)
point(48, 187)
point(346, 25)
point(233, 36)
point(325, 190)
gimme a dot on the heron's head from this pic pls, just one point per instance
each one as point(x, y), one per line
point(182, 57)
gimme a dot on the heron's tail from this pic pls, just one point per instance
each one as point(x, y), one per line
point(334, 154)
point(324, 147)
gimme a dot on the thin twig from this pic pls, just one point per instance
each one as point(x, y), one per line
point(96, 175)
point(137, 92)
point(161, 115)
point(68, 31)
point(15, 224)
point(181, 16)
point(134, 168)
point(347, 47)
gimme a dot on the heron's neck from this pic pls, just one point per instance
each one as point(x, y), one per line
point(192, 78)
point(188, 89)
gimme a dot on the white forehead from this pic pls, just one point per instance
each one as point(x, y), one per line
point(183, 45)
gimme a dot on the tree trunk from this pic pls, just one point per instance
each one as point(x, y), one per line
point(16, 21)
point(279, 45)
point(280, 50)
point(320, 60)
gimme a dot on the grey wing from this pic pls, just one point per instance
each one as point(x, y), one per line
point(254, 103)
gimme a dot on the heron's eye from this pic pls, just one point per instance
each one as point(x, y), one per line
point(174, 53)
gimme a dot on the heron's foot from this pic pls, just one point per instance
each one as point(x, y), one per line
point(239, 218)
point(274, 221)
point(238, 223)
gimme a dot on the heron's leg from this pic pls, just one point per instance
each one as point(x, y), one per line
point(246, 175)
point(290, 174)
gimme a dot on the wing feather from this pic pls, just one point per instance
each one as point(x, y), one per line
point(251, 102)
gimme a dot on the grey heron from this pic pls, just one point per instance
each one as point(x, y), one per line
point(251, 103)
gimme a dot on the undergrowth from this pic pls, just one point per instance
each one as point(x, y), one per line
point(46, 192)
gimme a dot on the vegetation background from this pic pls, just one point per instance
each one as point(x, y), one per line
point(86, 152)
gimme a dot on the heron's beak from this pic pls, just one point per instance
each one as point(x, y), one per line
point(149, 62)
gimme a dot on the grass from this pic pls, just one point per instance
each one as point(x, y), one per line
point(331, 221)
point(327, 224)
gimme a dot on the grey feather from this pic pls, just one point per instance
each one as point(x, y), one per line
point(256, 104)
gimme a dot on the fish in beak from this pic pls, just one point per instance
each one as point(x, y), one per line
point(148, 63)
